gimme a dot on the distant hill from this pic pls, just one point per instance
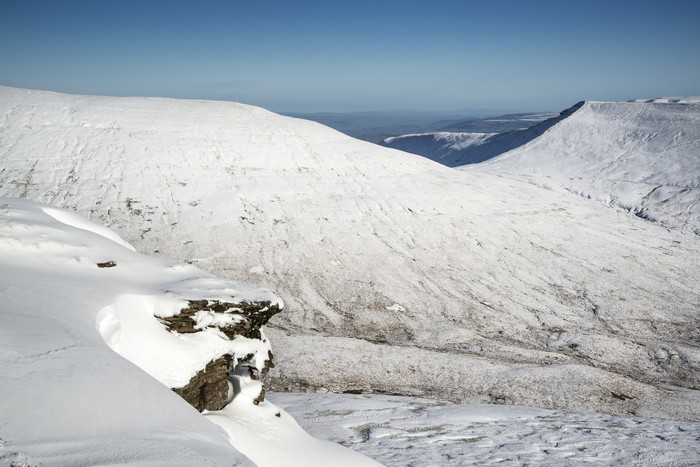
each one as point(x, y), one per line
point(498, 124)
point(456, 149)
point(377, 126)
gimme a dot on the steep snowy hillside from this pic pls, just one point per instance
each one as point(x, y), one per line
point(644, 157)
point(399, 275)
point(73, 298)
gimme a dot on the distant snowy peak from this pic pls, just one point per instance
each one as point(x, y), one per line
point(641, 156)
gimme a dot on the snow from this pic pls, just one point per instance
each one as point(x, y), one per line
point(514, 291)
point(87, 367)
point(400, 431)
point(642, 157)
point(270, 436)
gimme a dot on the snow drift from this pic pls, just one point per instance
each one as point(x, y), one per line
point(399, 275)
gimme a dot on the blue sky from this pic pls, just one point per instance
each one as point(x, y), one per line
point(300, 56)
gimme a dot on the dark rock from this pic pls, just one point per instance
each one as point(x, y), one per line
point(208, 389)
point(260, 398)
point(108, 264)
point(254, 316)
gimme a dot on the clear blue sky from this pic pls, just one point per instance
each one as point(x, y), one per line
point(356, 55)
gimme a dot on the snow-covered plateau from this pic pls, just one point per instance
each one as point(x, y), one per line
point(399, 275)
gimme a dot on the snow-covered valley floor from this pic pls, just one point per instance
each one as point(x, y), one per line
point(404, 431)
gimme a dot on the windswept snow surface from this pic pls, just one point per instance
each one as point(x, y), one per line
point(403, 431)
point(398, 274)
point(69, 399)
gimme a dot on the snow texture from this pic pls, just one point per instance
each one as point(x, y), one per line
point(69, 399)
point(507, 291)
point(403, 431)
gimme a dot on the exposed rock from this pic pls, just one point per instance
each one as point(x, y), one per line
point(252, 317)
point(209, 388)
point(107, 264)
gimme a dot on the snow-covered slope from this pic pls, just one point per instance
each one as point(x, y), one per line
point(69, 398)
point(398, 274)
point(644, 157)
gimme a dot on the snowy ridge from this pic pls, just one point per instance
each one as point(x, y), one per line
point(643, 157)
point(68, 399)
point(510, 293)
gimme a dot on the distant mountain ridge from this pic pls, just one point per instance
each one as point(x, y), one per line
point(457, 149)
point(377, 126)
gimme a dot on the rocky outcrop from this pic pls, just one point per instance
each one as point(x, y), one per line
point(210, 388)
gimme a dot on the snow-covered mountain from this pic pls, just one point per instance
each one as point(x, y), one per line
point(642, 156)
point(399, 274)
